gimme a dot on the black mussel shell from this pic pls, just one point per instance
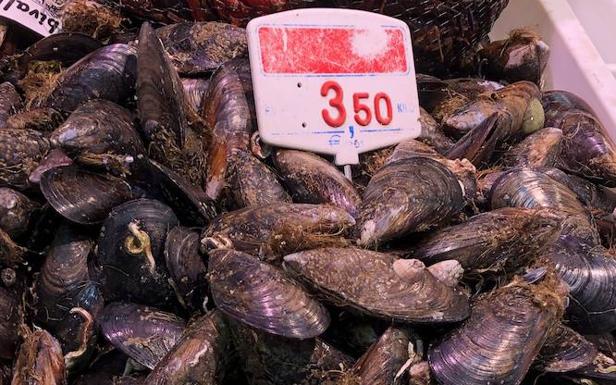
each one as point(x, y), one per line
point(20, 153)
point(9, 323)
point(198, 48)
point(408, 195)
point(502, 239)
point(16, 211)
point(62, 277)
point(130, 252)
point(540, 149)
point(98, 127)
point(10, 102)
point(263, 297)
point(502, 337)
point(144, 334)
point(478, 144)
point(378, 284)
point(65, 47)
point(81, 196)
point(107, 73)
point(203, 352)
point(185, 266)
point(39, 361)
point(590, 273)
point(275, 360)
point(556, 103)
point(271, 231)
point(565, 350)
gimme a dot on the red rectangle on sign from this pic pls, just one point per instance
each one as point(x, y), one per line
point(311, 50)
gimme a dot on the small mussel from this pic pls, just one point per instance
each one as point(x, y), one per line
point(65, 47)
point(269, 359)
point(130, 252)
point(312, 179)
point(16, 211)
point(81, 196)
point(406, 196)
point(272, 231)
point(107, 73)
point(40, 361)
point(503, 239)
point(63, 275)
point(185, 265)
point(143, 333)
point(378, 284)
point(522, 56)
point(263, 297)
point(198, 48)
point(565, 350)
point(503, 335)
point(540, 149)
point(98, 127)
point(557, 102)
point(199, 357)
point(254, 184)
point(9, 322)
point(20, 153)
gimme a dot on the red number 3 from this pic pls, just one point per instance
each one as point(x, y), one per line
point(335, 102)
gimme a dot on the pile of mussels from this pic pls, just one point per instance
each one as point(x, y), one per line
point(149, 237)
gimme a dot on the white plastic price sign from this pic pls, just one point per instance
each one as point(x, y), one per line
point(333, 81)
point(40, 16)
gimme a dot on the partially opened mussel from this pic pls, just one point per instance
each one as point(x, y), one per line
point(378, 284)
point(262, 296)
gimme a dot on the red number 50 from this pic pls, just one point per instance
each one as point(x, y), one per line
point(363, 115)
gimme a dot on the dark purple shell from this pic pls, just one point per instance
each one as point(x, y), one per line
point(369, 282)
point(65, 47)
point(556, 103)
point(565, 350)
point(263, 297)
point(540, 149)
point(82, 196)
point(16, 211)
point(143, 333)
point(9, 322)
point(107, 73)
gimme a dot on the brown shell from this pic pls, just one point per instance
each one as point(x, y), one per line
point(40, 361)
point(261, 296)
point(254, 184)
point(565, 350)
point(16, 211)
point(540, 149)
point(366, 281)
point(10, 102)
point(20, 153)
point(431, 133)
point(39, 119)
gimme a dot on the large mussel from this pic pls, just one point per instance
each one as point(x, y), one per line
point(254, 184)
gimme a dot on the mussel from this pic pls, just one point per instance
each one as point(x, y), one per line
point(312, 179)
point(557, 102)
point(272, 231)
point(9, 322)
point(431, 133)
point(65, 47)
point(16, 211)
point(565, 350)
point(262, 296)
point(503, 335)
point(144, 334)
point(81, 196)
point(195, 90)
point(199, 357)
point(502, 239)
point(130, 252)
point(538, 150)
point(40, 361)
point(405, 196)
point(378, 284)
point(10, 102)
point(21, 151)
point(107, 73)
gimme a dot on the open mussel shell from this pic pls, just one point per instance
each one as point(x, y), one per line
point(270, 359)
point(200, 356)
point(263, 297)
point(271, 231)
point(200, 48)
point(107, 73)
point(478, 144)
point(540, 149)
point(143, 333)
point(565, 350)
point(63, 275)
point(16, 211)
point(254, 184)
point(312, 179)
point(556, 103)
point(39, 361)
point(502, 337)
point(408, 195)
point(9, 322)
point(10, 102)
point(98, 127)
point(535, 189)
point(503, 239)
point(82, 196)
point(65, 47)
point(378, 288)
point(590, 273)
point(185, 266)
point(130, 252)
point(382, 364)
point(20, 153)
